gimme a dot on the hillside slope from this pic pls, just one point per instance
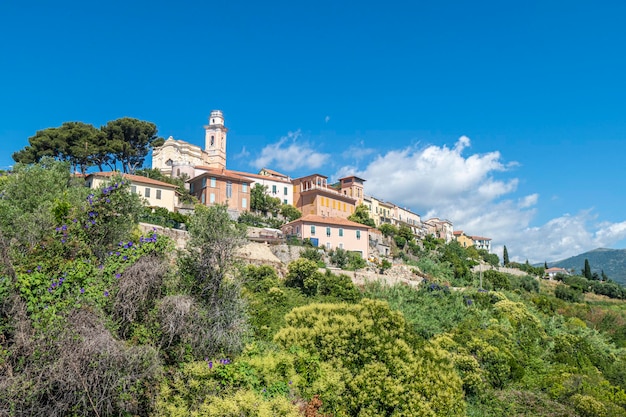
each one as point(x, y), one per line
point(612, 261)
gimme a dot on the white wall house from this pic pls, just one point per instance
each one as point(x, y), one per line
point(156, 193)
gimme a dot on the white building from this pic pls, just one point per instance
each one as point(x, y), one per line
point(177, 157)
point(156, 193)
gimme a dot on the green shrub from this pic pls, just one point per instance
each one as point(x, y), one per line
point(259, 278)
point(496, 280)
point(368, 340)
point(565, 292)
point(312, 254)
point(339, 258)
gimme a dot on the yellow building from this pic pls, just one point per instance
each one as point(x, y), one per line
point(313, 195)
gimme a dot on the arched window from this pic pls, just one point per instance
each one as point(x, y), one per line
point(212, 140)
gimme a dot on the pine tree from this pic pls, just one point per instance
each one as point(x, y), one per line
point(545, 264)
point(587, 270)
point(505, 256)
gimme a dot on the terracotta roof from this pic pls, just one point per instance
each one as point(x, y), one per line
point(262, 177)
point(480, 238)
point(457, 232)
point(352, 176)
point(271, 171)
point(133, 178)
point(219, 172)
point(555, 269)
point(337, 221)
point(310, 175)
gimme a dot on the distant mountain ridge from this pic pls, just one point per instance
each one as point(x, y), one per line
point(612, 261)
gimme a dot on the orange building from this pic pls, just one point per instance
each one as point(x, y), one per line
point(221, 186)
point(313, 195)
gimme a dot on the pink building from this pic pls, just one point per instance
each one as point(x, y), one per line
point(331, 233)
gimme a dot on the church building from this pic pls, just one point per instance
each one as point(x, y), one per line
point(177, 157)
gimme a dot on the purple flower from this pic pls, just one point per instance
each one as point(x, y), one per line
point(74, 220)
point(210, 364)
point(63, 240)
point(38, 267)
point(108, 201)
point(118, 276)
point(100, 266)
point(125, 258)
point(29, 271)
point(82, 290)
point(64, 227)
point(117, 254)
point(106, 293)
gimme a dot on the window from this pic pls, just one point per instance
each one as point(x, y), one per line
point(191, 187)
point(203, 182)
point(313, 230)
point(358, 234)
point(147, 192)
point(203, 198)
point(273, 189)
point(158, 194)
point(229, 189)
point(328, 231)
point(341, 246)
point(244, 203)
point(212, 198)
point(212, 140)
point(328, 245)
point(244, 187)
point(213, 182)
point(340, 232)
point(133, 189)
point(285, 201)
point(285, 191)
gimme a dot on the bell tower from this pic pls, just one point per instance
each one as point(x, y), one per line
point(215, 140)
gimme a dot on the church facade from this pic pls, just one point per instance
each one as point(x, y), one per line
point(177, 157)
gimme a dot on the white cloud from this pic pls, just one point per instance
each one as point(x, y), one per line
point(243, 154)
point(357, 152)
point(562, 237)
point(290, 153)
point(441, 181)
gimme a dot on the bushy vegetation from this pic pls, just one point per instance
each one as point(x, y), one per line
point(98, 319)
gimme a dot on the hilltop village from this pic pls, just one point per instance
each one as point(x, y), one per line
point(325, 207)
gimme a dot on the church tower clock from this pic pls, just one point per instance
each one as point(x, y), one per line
point(215, 140)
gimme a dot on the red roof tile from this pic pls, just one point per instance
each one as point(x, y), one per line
point(337, 221)
point(133, 178)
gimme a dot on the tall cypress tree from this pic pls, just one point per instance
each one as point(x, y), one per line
point(587, 270)
point(505, 256)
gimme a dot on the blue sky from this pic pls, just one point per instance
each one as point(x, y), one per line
point(507, 118)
